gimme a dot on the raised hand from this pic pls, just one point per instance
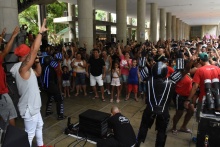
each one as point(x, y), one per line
point(16, 31)
point(3, 32)
point(43, 27)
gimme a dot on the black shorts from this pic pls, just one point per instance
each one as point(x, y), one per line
point(179, 102)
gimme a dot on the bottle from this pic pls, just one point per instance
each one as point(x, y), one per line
point(217, 93)
point(209, 97)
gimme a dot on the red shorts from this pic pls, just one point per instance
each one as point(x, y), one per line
point(133, 87)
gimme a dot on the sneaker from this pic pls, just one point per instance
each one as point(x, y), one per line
point(108, 92)
point(61, 117)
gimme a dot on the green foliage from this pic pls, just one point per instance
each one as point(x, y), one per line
point(30, 17)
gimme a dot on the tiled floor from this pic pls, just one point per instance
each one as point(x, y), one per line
point(73, 106)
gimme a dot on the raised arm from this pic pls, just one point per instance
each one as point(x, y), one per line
point(30, 58)
point(10, 43)
point(119, 50)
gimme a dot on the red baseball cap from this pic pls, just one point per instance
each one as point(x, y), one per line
point(22, 50)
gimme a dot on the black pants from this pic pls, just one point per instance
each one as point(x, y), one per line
point(147, 121)
point(111, 142)
point(59, 103)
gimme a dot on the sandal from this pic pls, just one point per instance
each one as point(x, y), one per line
point(174, 132)
point(96, 97)
point(76, 94)
point(185, 131)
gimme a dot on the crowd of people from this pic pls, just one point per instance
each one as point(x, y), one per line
point(115, 69)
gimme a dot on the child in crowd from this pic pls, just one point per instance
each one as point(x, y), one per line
point(66, 81)
point(133, 77)
point(116, 73)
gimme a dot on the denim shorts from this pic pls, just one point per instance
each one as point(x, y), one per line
point(80, 79)
point(7, 109)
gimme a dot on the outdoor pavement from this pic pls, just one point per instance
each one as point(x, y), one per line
point(53, 131)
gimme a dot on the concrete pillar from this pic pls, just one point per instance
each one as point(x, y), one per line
point(173, 28)
point(121, 20)
point(162, 23)
point(130, 29)
point(183, 30)
point(85, 23)
point(180, 29)
point(72, 24)
point(141, 11)
point(108, 33)
point(94, 26)
point(129, 33)
point(8, 15)
point(168, 26)
point(42, 13)
point(108, 27)
point(109, 17)
point(153, 22)
point(177, 29)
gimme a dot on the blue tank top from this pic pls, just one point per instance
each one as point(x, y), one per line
point(133, 76)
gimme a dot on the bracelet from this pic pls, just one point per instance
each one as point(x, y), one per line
point(41, 33)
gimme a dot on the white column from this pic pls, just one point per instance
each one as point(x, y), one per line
point(72, 24)
point(168, 26)
point(153, 22)
point(141, 11)
point(85, 23)
point(121, 20)
point(177, 28)
point(162, 23)
point(173, 28)
point(180, 29)
point(8, 15)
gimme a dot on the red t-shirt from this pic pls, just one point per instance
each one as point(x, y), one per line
point(203, 73)
point(184, 86)
point(3, 86)
point(170, 71)
point(123, 62)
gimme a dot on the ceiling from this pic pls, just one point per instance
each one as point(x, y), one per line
point(192, 12)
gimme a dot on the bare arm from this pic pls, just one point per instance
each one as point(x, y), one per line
point(30, 59)
point(192, 93)
point(10, 43)
point(119, 50)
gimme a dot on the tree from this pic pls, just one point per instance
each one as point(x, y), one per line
point(30, 17)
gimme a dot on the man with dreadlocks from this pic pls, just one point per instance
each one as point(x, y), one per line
point(51, 85)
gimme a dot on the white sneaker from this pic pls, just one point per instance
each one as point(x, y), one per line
point(108, 92)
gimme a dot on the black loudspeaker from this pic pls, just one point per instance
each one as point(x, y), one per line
point(94, 122)
point(14, 137)
point(208, 131)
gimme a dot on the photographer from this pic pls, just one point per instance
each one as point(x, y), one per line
point(124, 135)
